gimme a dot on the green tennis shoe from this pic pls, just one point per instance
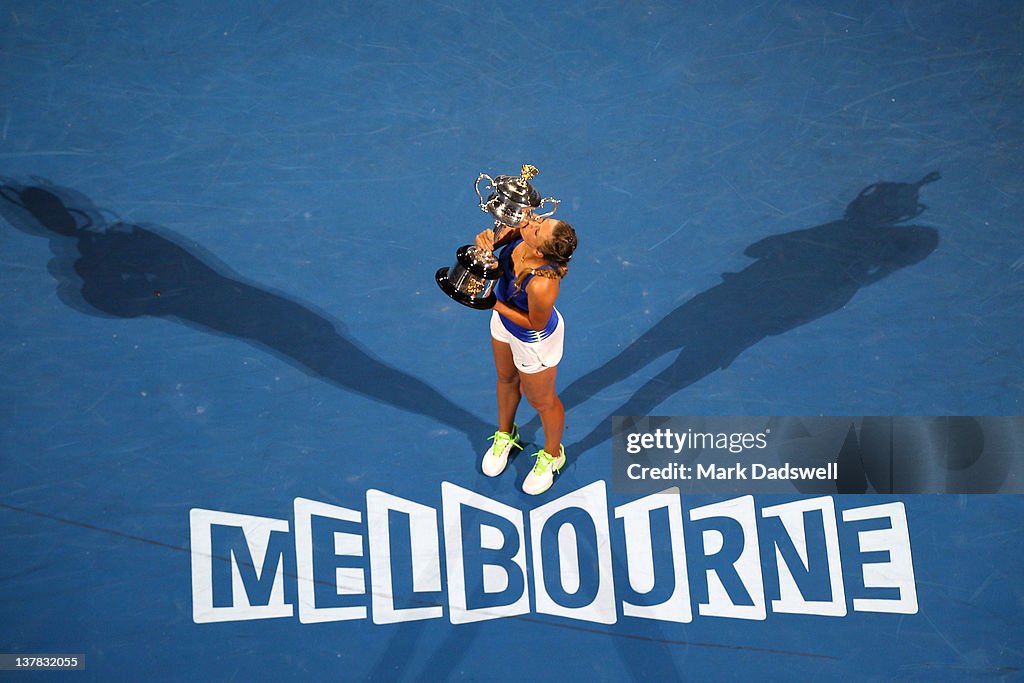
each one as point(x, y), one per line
point(496, 456)
point(542, 475)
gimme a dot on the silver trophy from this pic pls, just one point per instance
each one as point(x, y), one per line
point(471, 280)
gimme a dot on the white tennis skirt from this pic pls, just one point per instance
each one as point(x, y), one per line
point(531, 357)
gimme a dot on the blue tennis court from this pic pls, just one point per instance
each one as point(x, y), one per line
point(240, 424)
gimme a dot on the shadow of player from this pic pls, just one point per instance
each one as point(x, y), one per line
point(128, 270)
point(797, 277)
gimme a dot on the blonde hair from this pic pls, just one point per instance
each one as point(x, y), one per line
point(556, 251)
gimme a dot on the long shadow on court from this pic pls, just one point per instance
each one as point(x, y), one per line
point(797, 277)
point(128, 270)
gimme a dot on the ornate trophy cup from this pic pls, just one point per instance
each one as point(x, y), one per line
point(471, 280)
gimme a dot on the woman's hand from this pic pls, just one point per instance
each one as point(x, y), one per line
point(485, 241)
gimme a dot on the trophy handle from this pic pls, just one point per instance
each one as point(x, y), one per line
point(547, 199)
point(476, 186)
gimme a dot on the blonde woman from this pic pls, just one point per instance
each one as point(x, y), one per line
point(527, 333)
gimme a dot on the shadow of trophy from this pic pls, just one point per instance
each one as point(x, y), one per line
point(471, 280)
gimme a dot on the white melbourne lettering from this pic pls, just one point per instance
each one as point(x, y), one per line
point(388, 567)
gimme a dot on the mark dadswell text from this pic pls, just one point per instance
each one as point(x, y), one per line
point(735, 472)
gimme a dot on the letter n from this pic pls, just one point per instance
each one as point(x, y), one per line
point(793, 516)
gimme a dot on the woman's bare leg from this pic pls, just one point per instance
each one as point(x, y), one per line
point(508, 388)
point(539, 389)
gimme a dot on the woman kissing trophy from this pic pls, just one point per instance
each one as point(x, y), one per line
point(471, 280)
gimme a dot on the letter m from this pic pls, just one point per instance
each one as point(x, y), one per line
point(238, 566)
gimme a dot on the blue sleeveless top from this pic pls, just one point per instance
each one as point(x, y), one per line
point(506, 291)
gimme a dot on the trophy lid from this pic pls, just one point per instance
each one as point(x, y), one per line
point(518, 188)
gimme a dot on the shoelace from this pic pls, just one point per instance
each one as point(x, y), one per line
point(543, 464)
point(501, 440)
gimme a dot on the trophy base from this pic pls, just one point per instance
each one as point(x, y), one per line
point(441, 276)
